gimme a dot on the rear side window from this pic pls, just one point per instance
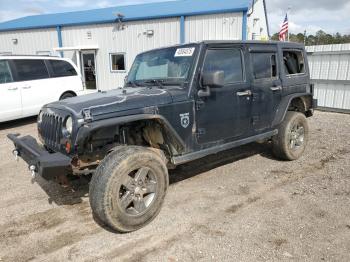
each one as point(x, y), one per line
point(62, 68)
point(28, 69)
point(294, 62)
point(227, 60)
point(264, 65)
point(5, 72)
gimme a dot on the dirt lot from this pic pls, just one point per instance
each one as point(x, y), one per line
point(241, 205)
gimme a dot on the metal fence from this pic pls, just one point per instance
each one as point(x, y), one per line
point(330, 72)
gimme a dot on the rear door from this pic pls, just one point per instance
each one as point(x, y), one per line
point(266, 85)
point(34, 81)
point(10, 94)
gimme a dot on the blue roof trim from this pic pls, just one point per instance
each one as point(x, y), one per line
point(131, 13)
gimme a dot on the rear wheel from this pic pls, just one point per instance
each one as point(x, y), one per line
point(292, 137)
point(128, 188)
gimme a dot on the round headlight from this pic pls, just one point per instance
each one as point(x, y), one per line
point(69, 125)
point(40, 117)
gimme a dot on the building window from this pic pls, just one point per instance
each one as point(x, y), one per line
point(117, 62)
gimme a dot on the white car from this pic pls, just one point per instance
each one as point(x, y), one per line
point(29, 82)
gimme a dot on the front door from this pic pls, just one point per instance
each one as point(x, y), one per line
point(266, 87)
point(88, 61)
point(225, 113)
point(10, 94)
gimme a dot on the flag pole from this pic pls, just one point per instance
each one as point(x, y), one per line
point(288, 12)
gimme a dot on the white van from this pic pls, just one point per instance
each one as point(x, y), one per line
point(29, 82)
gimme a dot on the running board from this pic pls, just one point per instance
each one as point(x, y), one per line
point(178, 160)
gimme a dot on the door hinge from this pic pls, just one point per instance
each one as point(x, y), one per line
point(200, 132)
point(255, 120)
point(199, 104)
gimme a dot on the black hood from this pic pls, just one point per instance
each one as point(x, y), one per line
point(114, 101)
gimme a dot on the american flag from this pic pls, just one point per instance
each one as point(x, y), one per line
point(284, 30)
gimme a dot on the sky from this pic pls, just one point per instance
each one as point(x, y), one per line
point(310, 15)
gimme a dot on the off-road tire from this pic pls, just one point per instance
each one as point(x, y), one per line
point(105, 185)
point(281, 143)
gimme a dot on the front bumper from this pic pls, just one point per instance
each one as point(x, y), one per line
point(46, 164)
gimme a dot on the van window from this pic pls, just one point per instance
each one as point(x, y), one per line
point(264, 65)
point(61, 68)
point(294, 62)
point(227, 60)
point(28, 69)
point(5, 72)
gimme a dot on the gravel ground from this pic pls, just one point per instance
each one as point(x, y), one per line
point(240, 205)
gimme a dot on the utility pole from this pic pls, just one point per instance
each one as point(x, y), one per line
point(304, 37)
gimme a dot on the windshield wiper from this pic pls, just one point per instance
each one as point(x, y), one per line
point(133, 83)
point(155, 81)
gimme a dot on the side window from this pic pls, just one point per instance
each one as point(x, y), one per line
point(264, 65)
point(61, 68)
point(117, 62)
point(5, 72)
point(294, 62)
point(28, 69)
point(228, 60)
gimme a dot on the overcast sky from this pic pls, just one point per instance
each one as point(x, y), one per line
point(310, 15)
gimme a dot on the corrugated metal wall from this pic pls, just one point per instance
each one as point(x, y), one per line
point(29, 42)
point(330, 71)
point(214, 27)
point(132, 40)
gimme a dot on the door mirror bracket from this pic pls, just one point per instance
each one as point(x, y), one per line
point(204, 92)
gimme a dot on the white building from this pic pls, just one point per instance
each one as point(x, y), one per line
point(104, 42)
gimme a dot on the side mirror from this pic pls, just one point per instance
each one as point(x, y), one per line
point(213, 79)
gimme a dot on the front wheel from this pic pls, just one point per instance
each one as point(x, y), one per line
point(128, 188)
point(292, 137)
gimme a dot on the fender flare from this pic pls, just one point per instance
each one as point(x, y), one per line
point(85, 130)
point(284, 105)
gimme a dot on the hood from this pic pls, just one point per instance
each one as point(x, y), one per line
point(114, 101)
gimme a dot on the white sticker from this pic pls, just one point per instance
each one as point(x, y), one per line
point(185, 51)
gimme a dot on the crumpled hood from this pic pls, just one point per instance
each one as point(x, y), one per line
point(114, 101)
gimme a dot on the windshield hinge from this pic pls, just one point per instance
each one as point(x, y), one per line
point(199, 104)
point(87, 115)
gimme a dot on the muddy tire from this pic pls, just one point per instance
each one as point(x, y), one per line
point(292, 137)
point(128, 188)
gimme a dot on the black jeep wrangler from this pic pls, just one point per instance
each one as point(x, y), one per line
point(178, 104)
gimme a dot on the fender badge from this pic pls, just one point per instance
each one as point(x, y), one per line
point(185, 120)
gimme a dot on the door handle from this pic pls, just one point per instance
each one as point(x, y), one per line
point(13, 89)
point(276, 88)
point(244, 93)
point(26, 87)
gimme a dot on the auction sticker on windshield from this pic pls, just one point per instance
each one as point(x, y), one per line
point(185, 51)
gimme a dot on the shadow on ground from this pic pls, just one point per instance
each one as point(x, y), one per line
point(80, 185)
point(18, 123)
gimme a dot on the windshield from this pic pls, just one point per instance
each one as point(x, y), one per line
point(165, 66)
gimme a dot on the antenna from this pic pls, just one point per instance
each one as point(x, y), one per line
point(119, 20)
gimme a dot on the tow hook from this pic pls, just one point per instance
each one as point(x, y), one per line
point(15, 154)
point(32, 169)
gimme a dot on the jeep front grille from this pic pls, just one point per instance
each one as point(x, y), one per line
point(51, 130)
